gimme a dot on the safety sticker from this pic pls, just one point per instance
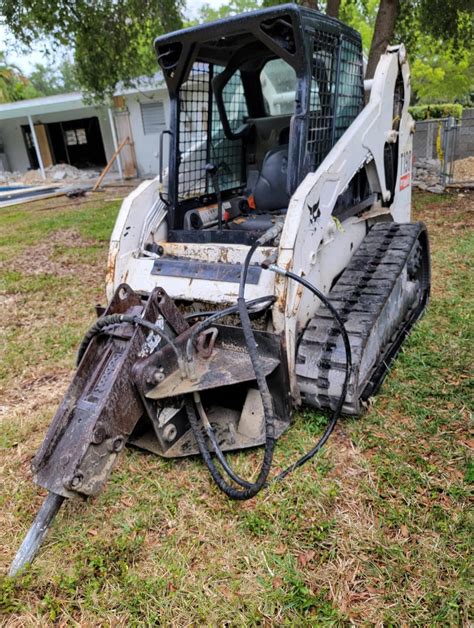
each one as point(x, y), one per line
point(405, 168)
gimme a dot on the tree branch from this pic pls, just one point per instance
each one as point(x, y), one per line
point(332, 8)
point(383, 33)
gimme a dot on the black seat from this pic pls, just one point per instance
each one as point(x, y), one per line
point(270, 191)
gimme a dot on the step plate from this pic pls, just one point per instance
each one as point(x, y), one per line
point(379, 296)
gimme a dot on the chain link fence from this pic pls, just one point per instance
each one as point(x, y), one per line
point(444, 152)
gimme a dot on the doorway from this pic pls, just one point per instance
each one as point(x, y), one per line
point(75, 142)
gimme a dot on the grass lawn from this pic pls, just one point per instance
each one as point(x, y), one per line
point(376, 530)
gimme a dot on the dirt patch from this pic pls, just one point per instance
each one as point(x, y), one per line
point(464, 169)
point(28, 394)
point(40, 259)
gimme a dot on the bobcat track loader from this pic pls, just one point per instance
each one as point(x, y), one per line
point(273, 263)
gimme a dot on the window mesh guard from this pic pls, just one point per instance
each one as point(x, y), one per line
point(201, 135)
point(336, 95)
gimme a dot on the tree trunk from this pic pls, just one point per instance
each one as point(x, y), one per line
point(333, 8)
point(310, 4)
point(383, 33)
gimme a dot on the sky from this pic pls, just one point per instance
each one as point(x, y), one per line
point(26, 62)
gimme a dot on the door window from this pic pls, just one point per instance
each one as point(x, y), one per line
point(278, 81)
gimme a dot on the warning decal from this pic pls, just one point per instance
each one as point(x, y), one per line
point(405, 168)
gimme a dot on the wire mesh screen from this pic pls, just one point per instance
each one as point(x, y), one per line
point(201, 134)
point(336, 96)
point(322, 98)
point(350, 89)
point(193, 135)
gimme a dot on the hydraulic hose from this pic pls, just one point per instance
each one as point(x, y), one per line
point(320, 443)
point(212, 437)
point(348, 369)
point(249, 489)
point(120, 319)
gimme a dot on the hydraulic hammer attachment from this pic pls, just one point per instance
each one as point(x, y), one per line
point(100, 408)
point(93, 422)
point(138, 365)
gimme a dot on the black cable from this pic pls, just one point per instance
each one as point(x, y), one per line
point(348, 369)
point(231, 492)
point(334, 418)
point(120, 319)
point(217, 450)
point(267, 301)
point(250, 489)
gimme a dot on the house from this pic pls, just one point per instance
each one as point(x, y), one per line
point(64, 128)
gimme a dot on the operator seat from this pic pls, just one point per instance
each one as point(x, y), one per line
point(270, 189)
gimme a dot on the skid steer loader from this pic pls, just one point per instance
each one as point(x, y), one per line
point(272, 264)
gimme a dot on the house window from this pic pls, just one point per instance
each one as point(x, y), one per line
point(153, 117)
point(76, 136)
point(81, 136)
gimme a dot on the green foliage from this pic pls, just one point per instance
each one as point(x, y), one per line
point(427, 112)
point(440, 74)
point(207, 13)
point(449, 22)
point(13, 85)
point(44, 80)
point(112, 40)
point(361, 15)
point(48, 80)
point(438, 43)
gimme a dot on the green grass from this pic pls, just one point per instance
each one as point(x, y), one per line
point(377, 530)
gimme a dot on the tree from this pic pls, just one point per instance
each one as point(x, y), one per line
point(59, 79)
point(111, 39)
point(207, 13)
point(383, 32)
point(441, 74)
point(68, 76)
point(13, 85)
point(44, 80)
point(436, 34)
point(333, 7)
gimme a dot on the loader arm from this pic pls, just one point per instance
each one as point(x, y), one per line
point(312, 242)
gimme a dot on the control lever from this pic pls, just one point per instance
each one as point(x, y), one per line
point(213, 171)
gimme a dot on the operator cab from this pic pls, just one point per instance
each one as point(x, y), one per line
point(257, 102)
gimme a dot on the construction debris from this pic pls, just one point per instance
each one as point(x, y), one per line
point(464, 170)
point(426, 175)
point(28, 194)
point(63, 173)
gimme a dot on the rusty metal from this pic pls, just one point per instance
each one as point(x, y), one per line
point(227, 380)
point(205, 342)
point(100, 408)
point(228, 364)
point(171, 313)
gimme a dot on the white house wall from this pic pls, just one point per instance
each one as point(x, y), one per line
point(147, 146)
point(14, 143)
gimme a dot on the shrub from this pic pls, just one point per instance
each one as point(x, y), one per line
point(426, 112)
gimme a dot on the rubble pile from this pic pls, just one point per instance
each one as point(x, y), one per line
point(426, 175)
point(60, 173)
point(464, 169)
